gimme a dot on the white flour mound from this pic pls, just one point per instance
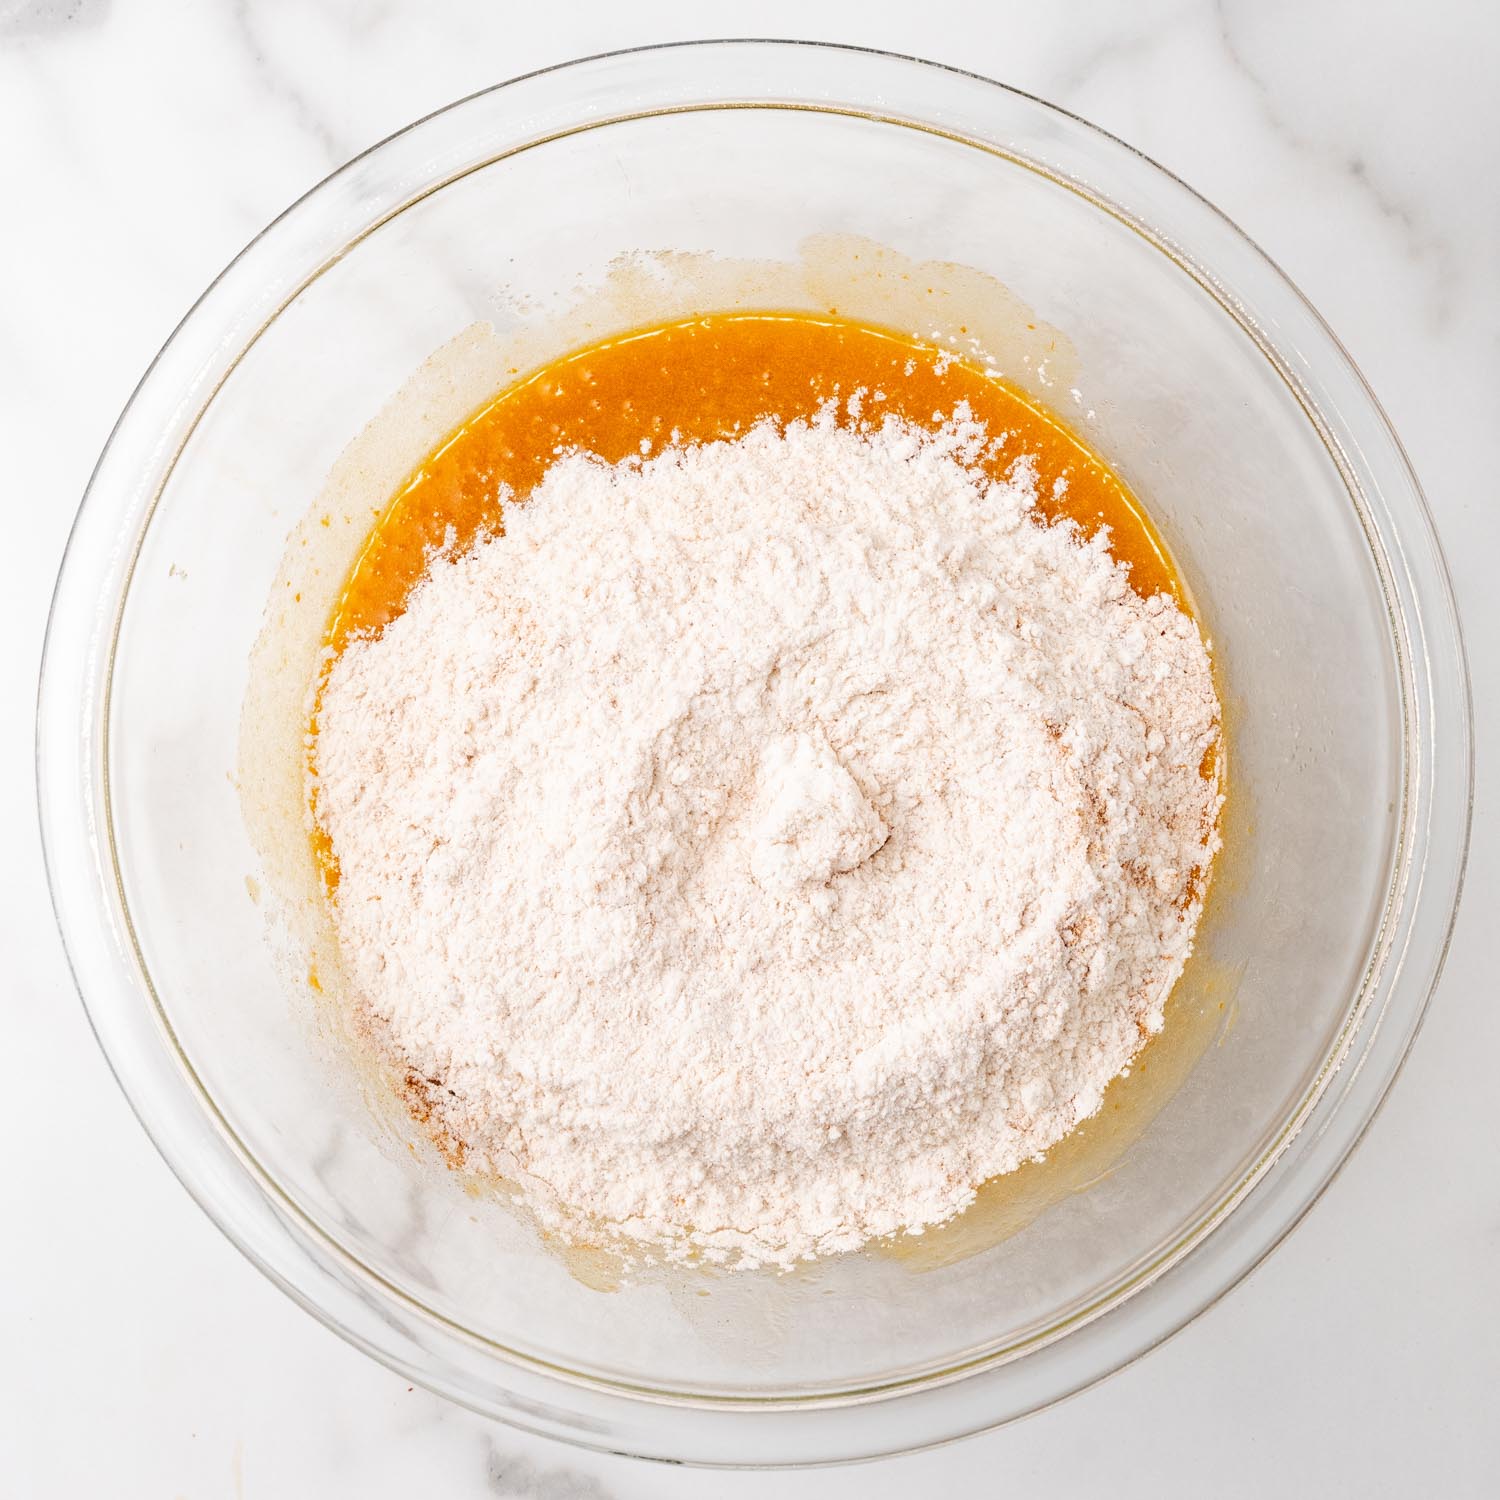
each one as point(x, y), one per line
point(758, 847)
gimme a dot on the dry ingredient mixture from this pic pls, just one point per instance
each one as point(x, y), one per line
point(764, 841)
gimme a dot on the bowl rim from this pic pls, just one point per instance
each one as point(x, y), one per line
point(302, 1257)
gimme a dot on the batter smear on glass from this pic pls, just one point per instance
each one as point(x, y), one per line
point(766, 776)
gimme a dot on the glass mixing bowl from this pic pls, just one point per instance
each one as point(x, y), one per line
point(1185, 357)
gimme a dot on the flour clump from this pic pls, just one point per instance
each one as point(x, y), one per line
point(758, 846)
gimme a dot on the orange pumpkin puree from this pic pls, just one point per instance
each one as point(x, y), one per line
point(711, 378)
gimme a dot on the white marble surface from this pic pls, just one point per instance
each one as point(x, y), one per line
point(142, 142)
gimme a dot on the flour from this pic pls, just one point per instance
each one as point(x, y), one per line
point(760, 845)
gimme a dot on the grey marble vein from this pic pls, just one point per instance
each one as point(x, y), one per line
point(1144, 30)
point(41, 18)
point(280, 86)
point(512, 1477)
point(1345, 160)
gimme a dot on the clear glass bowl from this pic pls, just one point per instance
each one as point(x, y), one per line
point(1209, 382)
